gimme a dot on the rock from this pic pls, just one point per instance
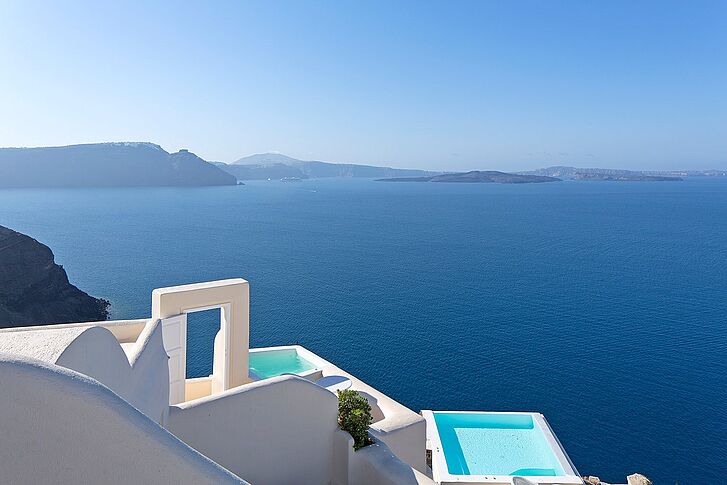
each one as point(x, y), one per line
point(638, 479)
point(591, 480)
point(34, 290)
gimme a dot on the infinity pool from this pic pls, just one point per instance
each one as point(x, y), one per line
point(489, 447)
point(271, 363)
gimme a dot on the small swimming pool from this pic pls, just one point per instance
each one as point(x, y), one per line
point(479, 447)
point(272, 362)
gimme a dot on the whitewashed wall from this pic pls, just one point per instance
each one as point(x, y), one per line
point(141, 378)
point(277, 431)
point(58, 426)
point(377, 464)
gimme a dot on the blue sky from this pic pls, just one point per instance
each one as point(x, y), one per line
point(448, 85)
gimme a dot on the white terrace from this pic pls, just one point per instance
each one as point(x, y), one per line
point(109, 402)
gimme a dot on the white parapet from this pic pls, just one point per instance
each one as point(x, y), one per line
point(60, 426)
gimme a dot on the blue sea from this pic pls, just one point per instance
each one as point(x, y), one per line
point(602, 305)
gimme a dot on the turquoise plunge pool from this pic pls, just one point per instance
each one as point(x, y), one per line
point(490, 445)
point(272, 363)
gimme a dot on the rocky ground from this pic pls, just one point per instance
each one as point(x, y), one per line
point(635, 479)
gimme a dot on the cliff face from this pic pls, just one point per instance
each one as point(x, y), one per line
point(35, 291)
point(107, 165)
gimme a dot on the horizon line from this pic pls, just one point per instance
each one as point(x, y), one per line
point(376, 164)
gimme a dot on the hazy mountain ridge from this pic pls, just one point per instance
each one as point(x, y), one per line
point(121, 164)
point(265, 166)
point(265, 158)
point(147, 164)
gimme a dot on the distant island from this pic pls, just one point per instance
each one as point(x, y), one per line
point(106, 165)
point(576, 173)
point(276, 166)
point(629, 177)
point(34, 290)
point(143, 164)
point(618, 175)
point(477, 176)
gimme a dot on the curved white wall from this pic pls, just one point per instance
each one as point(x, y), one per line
point(58, 426)
point(143, 381)
point(277, 431)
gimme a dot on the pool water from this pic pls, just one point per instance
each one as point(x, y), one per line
point(271, 363)
point(495, 444)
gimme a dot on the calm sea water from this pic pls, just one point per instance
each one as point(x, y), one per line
point(601, 305)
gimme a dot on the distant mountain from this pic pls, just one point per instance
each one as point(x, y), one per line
point(266, 159)
point(106, 165)
point(477, 176)
point(566, 172)
point(277, 166)
point(34, 290)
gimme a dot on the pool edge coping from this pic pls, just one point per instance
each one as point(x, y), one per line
point(318, 362)
point(440, 471)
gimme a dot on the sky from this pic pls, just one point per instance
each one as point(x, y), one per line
point(455, 85)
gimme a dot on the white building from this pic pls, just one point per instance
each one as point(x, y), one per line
point(109, 402)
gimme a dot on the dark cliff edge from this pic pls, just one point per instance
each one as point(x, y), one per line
point(478, 176)
point(34, 290)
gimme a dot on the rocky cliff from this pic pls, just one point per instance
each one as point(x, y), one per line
point(106, 165)
point(34, 290)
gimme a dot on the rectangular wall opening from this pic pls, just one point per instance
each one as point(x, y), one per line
point(202, 328)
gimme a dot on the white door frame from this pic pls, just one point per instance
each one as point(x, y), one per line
point(230, 365)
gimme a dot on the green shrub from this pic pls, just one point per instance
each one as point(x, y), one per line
point(354, 416)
